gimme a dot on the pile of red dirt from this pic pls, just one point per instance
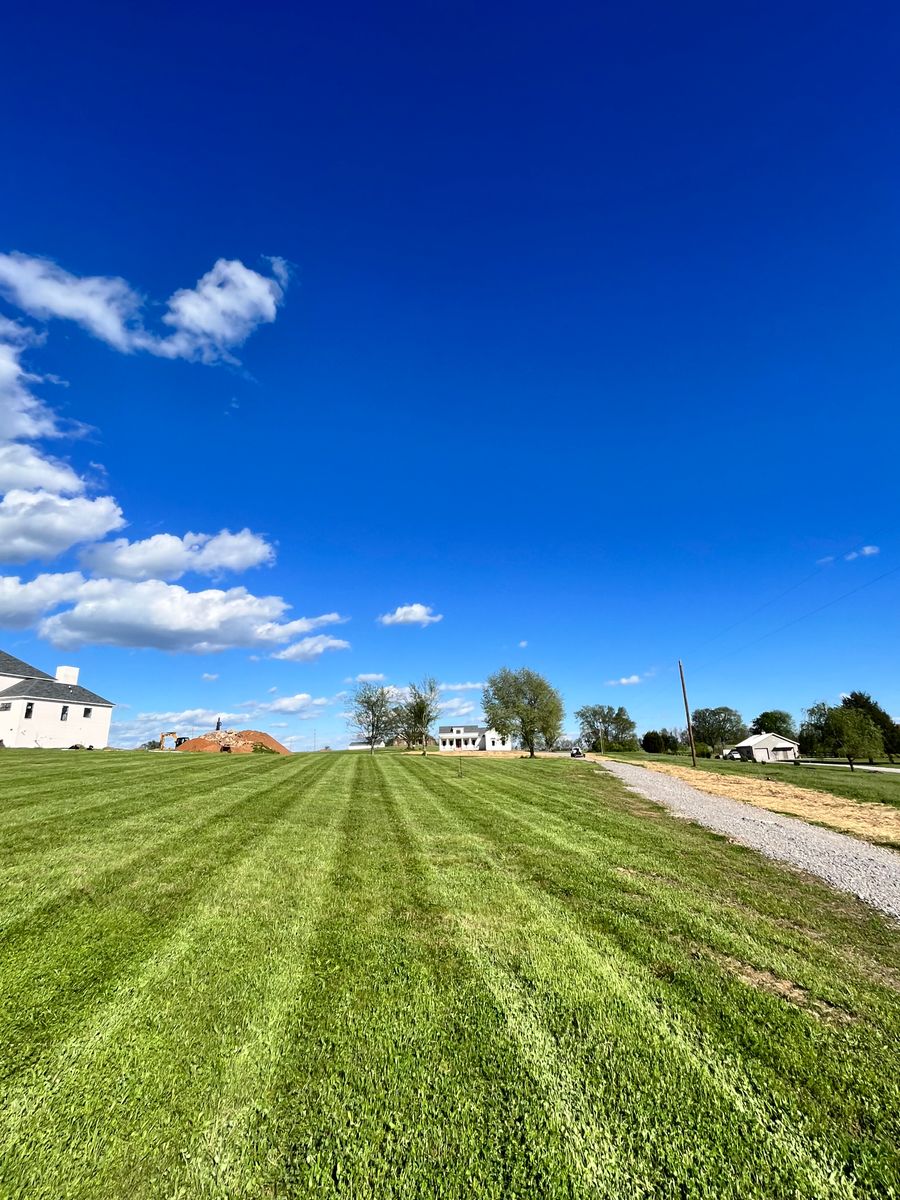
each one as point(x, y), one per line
point(234, 742)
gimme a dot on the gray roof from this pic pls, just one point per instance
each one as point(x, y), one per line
point(462, 728)
point(9, 665)
point(50, 689)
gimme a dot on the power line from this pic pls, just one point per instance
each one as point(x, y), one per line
point(803, 616)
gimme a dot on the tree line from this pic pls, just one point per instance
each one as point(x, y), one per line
point(521, 705)
point(524, 707)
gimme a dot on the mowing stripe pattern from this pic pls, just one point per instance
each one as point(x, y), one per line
point(369, 976)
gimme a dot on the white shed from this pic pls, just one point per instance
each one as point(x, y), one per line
point(766, 747)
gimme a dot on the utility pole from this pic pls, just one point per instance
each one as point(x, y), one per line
point(687, 714)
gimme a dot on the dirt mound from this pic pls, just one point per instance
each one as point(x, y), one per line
point(233, 741)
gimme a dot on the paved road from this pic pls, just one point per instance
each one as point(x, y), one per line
point(870, 872)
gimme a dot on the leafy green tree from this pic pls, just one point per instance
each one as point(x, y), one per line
point(775, 720)
point(890, 730)
point(604, 727)
point(373, 713)
point(652, 742)
point(670, 740)
point(716, 726)
point(813, 734)
point(854, 734)
point(524, 705)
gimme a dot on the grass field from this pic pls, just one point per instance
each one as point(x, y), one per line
point(343, 975)
point(868, 786)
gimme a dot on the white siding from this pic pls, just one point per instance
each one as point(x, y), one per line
point(45, 728)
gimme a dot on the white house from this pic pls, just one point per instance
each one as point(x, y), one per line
point(471, 737)
point(38, 710)
point(365, 744)
point(766, 747)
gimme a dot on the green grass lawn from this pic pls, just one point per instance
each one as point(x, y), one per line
point(329, 975)
point(852, 785)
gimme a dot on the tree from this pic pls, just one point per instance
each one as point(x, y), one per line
point(890, 730)
point(652, 742)
point(775, 720)
point(814, 729)
point(372, 713)
point(604, 727)
point(670, 740)
point(854, 734)
point(523, 704)
point(716, 726)
point(415, 715)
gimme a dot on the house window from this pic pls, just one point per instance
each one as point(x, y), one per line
point(493, 742)
point(29, 711)
point(64, 713)
point(87, 712)
point(5, 706)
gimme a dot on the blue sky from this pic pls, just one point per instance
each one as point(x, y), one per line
point(576, 328)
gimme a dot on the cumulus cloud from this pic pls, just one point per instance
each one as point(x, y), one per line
point(21, 604)
point(22, 413)
point(301, 705)
point(310, 648)
point(522, 644)
point(208, 677)
point(166, 616)
point(207, 321)
point(625, 681)
point(411, 614)
point(461, 687)
point(862, 552)
point(365, 677)
point(41, 524)
point(165, 556)
point(24, 467)
point(456, 707)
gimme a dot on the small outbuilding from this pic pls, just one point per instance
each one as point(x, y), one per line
point(766, 747)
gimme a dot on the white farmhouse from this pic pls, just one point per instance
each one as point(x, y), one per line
point(365, 744)
point(38, 710)
point(471, 737)
point(766, 747)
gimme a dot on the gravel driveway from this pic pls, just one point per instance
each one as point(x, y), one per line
point(870, 872)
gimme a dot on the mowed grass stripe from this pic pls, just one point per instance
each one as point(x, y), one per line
point(145, 1097)
point(782, 1049)
point(82, 865)
point(400, 1080)
point(67, 959)
point(375, 979)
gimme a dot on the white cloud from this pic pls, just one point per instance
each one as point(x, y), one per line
point(21, 604)
point(868, 551)
point(850, 557)
point(25, 467)
point(207, 321)
point(310, 648)
point(625, 681)
point(823, 562)
point(165, 556)
point(104, 305)
point(411, 614)
point(461, 687)
point(522, 644)
point(41, 524)
point(370, 677)
point(166, 616)
point(456, 707)
point(302, 705)
point(209, 678)
point(224, 308)
point(22, 414)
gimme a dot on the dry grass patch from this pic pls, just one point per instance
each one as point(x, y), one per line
point(873, 822)
point(785, 989)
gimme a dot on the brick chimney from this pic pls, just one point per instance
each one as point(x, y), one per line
point(67, 674)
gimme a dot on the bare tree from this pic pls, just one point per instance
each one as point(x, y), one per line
point(372, 713)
